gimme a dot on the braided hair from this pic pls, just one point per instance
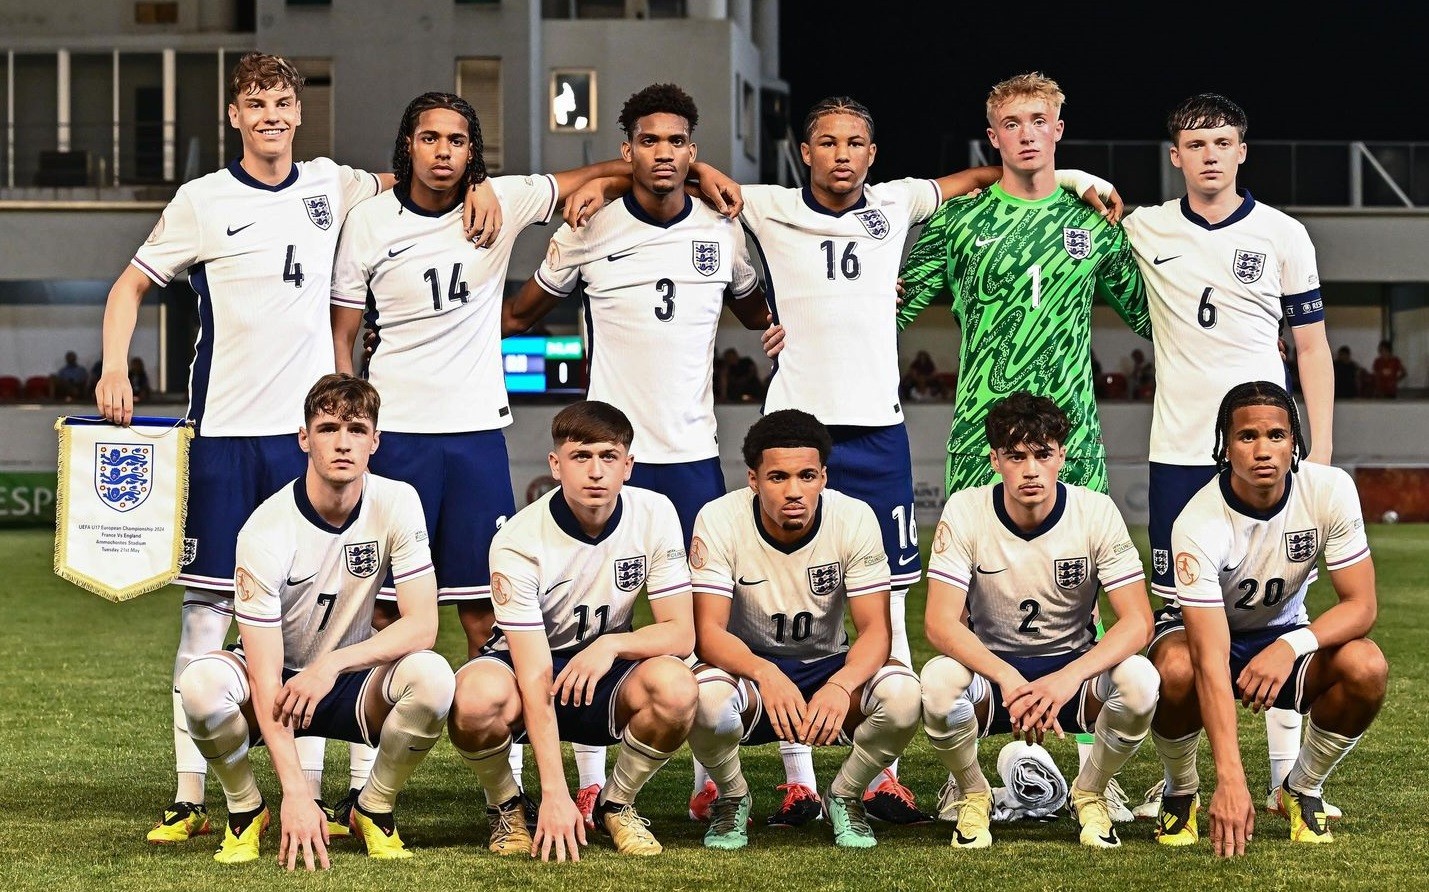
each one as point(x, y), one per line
point(837, 105)
point(402, 151)
point(1256, 393)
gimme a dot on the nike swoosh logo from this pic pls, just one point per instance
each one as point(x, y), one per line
point(1160, 260)
point(983, 242)
point(292, 581)
point(420, 749)
point(987, 572)
point(614, 257)
point(1111, 840)
point(962, 840)
point(391, 253)
point(907, 559)
point(232, 231)
point(743, 581)
point(557, 585)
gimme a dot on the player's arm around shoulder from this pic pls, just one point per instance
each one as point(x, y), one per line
point(924, 275)
point(1119, 282)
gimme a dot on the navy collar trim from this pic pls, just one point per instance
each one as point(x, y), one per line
point(1047, 522)
point(796, 544)
point(305, 508)
point(1247, 205)
point(404, 198)
point(639, 213)
point(813, 203)
point(235, 167)
point(1239, 506)
point(566, 519)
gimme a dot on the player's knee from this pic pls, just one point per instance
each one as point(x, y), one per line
point(717, 693)
point(481, 694)
point(1137, 685)
point(425, 680)
point(944, 681)
point(211, 685)
point(1363, 670)
point(670, 689)
point(898, 696)
point(1171, 658)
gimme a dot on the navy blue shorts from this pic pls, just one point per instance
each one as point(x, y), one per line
point(1244, 648)
point(999, 721)
point(873, 464)
point(229, 477)
point(807, 677)
point(690, 485)
point(338, 716)
point(592, 724)
point(1170, 488)
point(464, 482)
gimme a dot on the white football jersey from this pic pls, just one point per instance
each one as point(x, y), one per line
point(546, 573)
point(830, 282)
point(788, 600)
point(1217, 293)
point(438, 304)
point(1257, 565)
point(653, 296)
point(1033, 593)
point(260, 260)
point(318, 582)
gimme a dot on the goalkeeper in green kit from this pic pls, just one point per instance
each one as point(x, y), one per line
point(1022, 261)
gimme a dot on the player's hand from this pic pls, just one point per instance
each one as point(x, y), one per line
point(583, 203)
point(719, 191)
point(369, 343)
point(783, 703)
point(575, 686)
point(114, 397)
point(481, 215)
point(1232, 819)
point(1034, 705)
point(304, 829)
point(559, 828)
point(824, 717)
point(772, 340)
point(1263, 677)
point(299, 698)
point(1112, 209)
point(899, 291)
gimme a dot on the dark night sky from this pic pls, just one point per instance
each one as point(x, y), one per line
point(924, 68)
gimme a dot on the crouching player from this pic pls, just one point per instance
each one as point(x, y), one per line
point(1025, 558)
point(565, 572)
point(310, 561)
point(774, 568)
point(1245, 550)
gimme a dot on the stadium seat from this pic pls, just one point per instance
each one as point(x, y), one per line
point(1115, 384)
point(37, 387)
point(9, 388)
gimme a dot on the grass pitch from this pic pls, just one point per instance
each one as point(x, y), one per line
point(86, 765)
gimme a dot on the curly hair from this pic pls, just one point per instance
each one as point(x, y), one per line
point(1206, 111)
point(837, 105)
point(260, 71)
point(402, 151)
point(1256, 393)
point(656, 99)
point(786, 429)
point(1024, 417)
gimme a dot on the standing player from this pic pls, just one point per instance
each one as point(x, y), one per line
point(1222, 271)
point(310, 561)
point(774, 570)
point(656, 270)
point(1024, 559)
point(565, 574)
point(1023, 261)
point(1245, 548)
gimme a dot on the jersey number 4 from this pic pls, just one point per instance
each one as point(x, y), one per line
point(292, 269)
point(456, 288)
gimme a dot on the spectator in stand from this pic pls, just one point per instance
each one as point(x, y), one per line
point(724, 364)
point(1388, 372)
point(743, 384)
point(1142, 380)
point(920, 384)
point(1348, 375)
point(71, 382)
point(138, 379)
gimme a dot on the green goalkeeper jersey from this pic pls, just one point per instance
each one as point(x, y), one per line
point(1022, 275)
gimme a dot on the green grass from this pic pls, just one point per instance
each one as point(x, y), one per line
point(85, 766)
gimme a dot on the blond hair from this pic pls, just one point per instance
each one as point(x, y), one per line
point(1032, 85)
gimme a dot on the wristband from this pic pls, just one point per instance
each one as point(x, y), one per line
point(1302, 641)
point(846, 691)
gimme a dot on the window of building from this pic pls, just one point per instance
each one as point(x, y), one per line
point(573, 100)
point(162, 13)
point(478, 81)
point(314, 138)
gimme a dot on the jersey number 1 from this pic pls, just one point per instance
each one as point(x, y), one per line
point(456, 289)
point(848, 264)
